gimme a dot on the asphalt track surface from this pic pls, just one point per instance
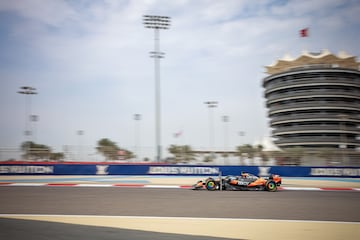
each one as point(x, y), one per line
point(286, 206)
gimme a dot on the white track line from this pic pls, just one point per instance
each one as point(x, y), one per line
point(158, 186)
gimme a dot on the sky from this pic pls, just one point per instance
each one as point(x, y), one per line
point(89, 62)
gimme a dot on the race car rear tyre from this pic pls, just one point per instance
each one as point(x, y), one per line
point(270, 186)
point(211, 185)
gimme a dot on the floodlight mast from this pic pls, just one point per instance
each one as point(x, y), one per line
point(157, 23)
point(28, 91)
point(211, 105)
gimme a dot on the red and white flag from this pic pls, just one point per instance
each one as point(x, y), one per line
point(177, 134)
point(304, 32)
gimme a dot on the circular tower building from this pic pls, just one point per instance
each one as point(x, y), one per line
point(313, 101)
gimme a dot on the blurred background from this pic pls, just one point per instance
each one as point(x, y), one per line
point(209, 82)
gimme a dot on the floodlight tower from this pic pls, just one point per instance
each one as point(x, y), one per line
point(137, 118)
point(28, 91)
point(211, 105)
point(157, 23)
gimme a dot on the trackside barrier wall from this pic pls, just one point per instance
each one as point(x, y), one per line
point(174, 170)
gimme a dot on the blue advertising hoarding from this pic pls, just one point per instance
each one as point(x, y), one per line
point(175, 170)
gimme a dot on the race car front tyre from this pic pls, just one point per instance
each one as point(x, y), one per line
point(211, 185)
point(270, 186)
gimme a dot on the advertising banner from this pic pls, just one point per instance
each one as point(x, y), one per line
point(175, 170)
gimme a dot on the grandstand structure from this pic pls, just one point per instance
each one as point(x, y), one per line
point(313, 101)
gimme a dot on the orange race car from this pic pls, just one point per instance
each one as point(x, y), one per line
point(246, 181)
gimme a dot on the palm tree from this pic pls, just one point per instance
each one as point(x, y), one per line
point(182, 153)
point(208, 158)
point(245, 149)
point(110, 150)
point(128, 154)
point(260, 153)
point(188, 153)
point(35, 151)
point(250, 151)
point(57, 156)
point(259, 148)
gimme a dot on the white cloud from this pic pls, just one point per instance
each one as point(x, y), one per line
point(52, 12)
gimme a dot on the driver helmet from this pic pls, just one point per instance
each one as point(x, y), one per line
point(244, 174)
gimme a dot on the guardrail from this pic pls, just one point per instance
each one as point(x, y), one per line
point(172, 170)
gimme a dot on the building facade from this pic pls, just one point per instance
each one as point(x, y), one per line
point(313, 101)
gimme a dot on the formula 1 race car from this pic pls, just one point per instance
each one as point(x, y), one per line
point(245, 181)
